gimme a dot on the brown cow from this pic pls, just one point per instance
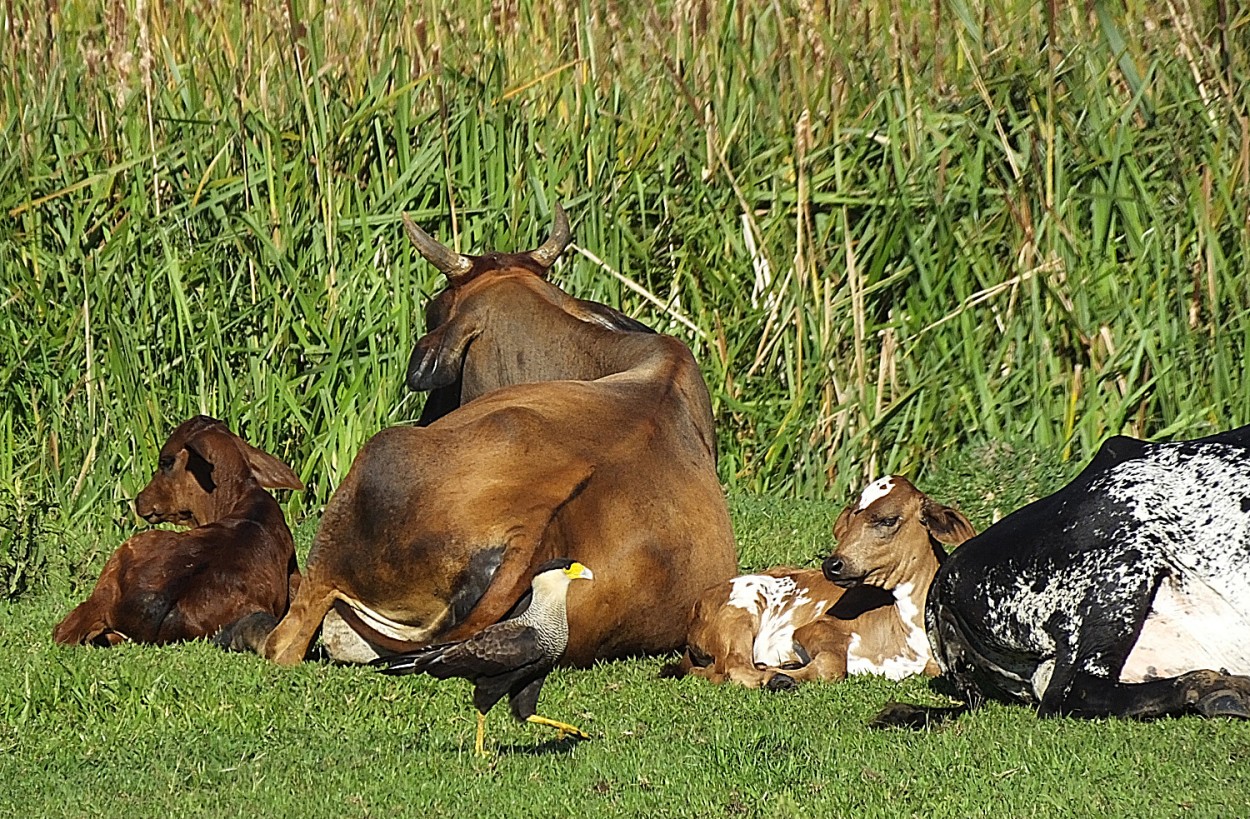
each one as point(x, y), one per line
point(862, 613)
point(436, 530)
point(161, 586)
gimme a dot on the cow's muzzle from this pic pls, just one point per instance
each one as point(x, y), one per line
point(838, 572)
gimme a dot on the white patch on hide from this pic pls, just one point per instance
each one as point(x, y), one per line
point(757, 592)
point(875, 491)
point(344, 645)
point(1192, 507)
point(915, 654)
point(1189, 627)
point(773, 600)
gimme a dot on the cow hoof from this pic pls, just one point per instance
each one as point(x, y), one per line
point(781, 682)
point(900, 715)
point(1224, 703)
point(915, 717)
point(247, 633)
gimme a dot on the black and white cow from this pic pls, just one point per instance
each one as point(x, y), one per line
point(1126, 593)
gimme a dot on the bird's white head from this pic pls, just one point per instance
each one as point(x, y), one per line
point(554, 576)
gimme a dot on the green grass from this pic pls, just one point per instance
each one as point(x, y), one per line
point(189, 730)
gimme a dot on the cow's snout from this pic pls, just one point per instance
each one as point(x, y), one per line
point(840, 572)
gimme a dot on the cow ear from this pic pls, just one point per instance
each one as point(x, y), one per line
point(438, 357)
point(945, 524)
point(268, 471)
point(843, 522)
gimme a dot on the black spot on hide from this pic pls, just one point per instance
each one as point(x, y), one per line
point(473, 582)
point(1245, 504)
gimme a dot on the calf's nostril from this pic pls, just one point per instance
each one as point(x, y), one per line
point(832, 568)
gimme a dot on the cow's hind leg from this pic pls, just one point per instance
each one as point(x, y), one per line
point(826, 642)
point(1107, 628)
point(1206, 693)
point(248, 633)
point(289, 641)
point(90, 622)
point(85, 625)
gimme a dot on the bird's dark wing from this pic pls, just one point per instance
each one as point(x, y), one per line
point(503, 648)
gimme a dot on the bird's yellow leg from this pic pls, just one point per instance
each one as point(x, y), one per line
point(479, 746)
point(562, 727)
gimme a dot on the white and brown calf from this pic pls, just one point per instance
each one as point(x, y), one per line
point(861, 613)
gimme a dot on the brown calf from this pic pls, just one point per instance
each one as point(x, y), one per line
point(161, 586)
point(861, 613)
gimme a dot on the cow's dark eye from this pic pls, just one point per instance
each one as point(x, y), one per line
point(166, 463)
point(886, 522)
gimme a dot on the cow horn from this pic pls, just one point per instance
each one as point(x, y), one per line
point(449, 263)
point(558, 241)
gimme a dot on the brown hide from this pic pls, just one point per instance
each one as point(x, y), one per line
point(869, 594)
point(161, 586)
point(572, 433)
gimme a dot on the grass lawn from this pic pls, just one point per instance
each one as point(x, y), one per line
point(189, 730)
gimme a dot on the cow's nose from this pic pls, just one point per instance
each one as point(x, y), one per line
point(832, 567)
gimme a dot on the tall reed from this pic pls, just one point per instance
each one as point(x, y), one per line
point(886, 229)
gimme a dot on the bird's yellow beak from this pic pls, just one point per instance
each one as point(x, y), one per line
point(579, 572)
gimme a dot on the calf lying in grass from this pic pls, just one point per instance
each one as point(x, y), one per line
point(161, 586)
point(861, 613)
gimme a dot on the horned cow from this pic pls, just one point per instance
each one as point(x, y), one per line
point(162, 586)
point(861, 613)
point(560, 428)
point(1125, 593)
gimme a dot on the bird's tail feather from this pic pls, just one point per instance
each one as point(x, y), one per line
point(409, 662)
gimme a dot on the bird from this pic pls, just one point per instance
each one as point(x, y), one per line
point(512, 657)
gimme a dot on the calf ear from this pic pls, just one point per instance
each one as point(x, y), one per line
point(843, 522)
point(268, 470)
point(438, 357)
point(205, 452)
point(944, 523)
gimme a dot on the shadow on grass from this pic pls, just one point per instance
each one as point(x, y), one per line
point(547, 748)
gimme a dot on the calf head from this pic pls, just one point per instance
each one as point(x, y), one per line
point(891, 533)
point(500, 322)
point(203, 469)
